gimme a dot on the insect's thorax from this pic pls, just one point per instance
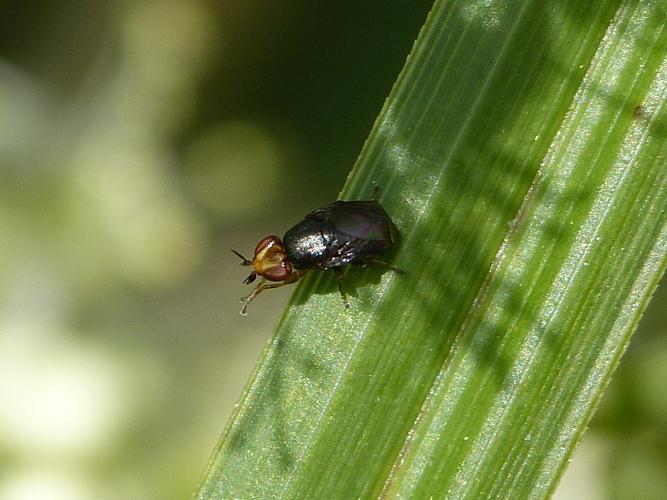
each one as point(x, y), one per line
point(310, 244)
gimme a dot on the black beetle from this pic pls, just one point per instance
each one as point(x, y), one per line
point(340, 233)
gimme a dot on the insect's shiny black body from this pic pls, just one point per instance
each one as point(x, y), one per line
point(340, 233)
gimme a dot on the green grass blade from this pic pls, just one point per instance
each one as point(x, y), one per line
point(522, 155)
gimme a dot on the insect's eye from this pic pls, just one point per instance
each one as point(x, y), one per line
point(279, 272)
point(266, 243)
point(270, 260)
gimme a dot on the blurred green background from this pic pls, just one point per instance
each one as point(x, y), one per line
point(139, 142)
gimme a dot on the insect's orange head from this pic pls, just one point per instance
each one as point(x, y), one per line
point(270, 260)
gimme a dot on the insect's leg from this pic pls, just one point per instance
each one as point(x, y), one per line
point(376, 192)
point(339, 279)
point(373, 260)
point(263, 285)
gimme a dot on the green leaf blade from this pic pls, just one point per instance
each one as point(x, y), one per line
point(447, 381)
point(561, 355)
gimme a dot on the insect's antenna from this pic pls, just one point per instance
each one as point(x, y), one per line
point(245, 262)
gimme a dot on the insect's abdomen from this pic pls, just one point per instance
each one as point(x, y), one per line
point(340, 233)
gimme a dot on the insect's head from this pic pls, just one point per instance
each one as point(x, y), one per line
point(270, 261)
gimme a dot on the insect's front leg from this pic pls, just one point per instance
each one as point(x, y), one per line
point(264, 285)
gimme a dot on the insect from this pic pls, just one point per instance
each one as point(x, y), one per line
point(337, 234)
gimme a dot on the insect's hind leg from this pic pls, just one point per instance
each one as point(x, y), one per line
point(378, 262)
point(339, 279)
